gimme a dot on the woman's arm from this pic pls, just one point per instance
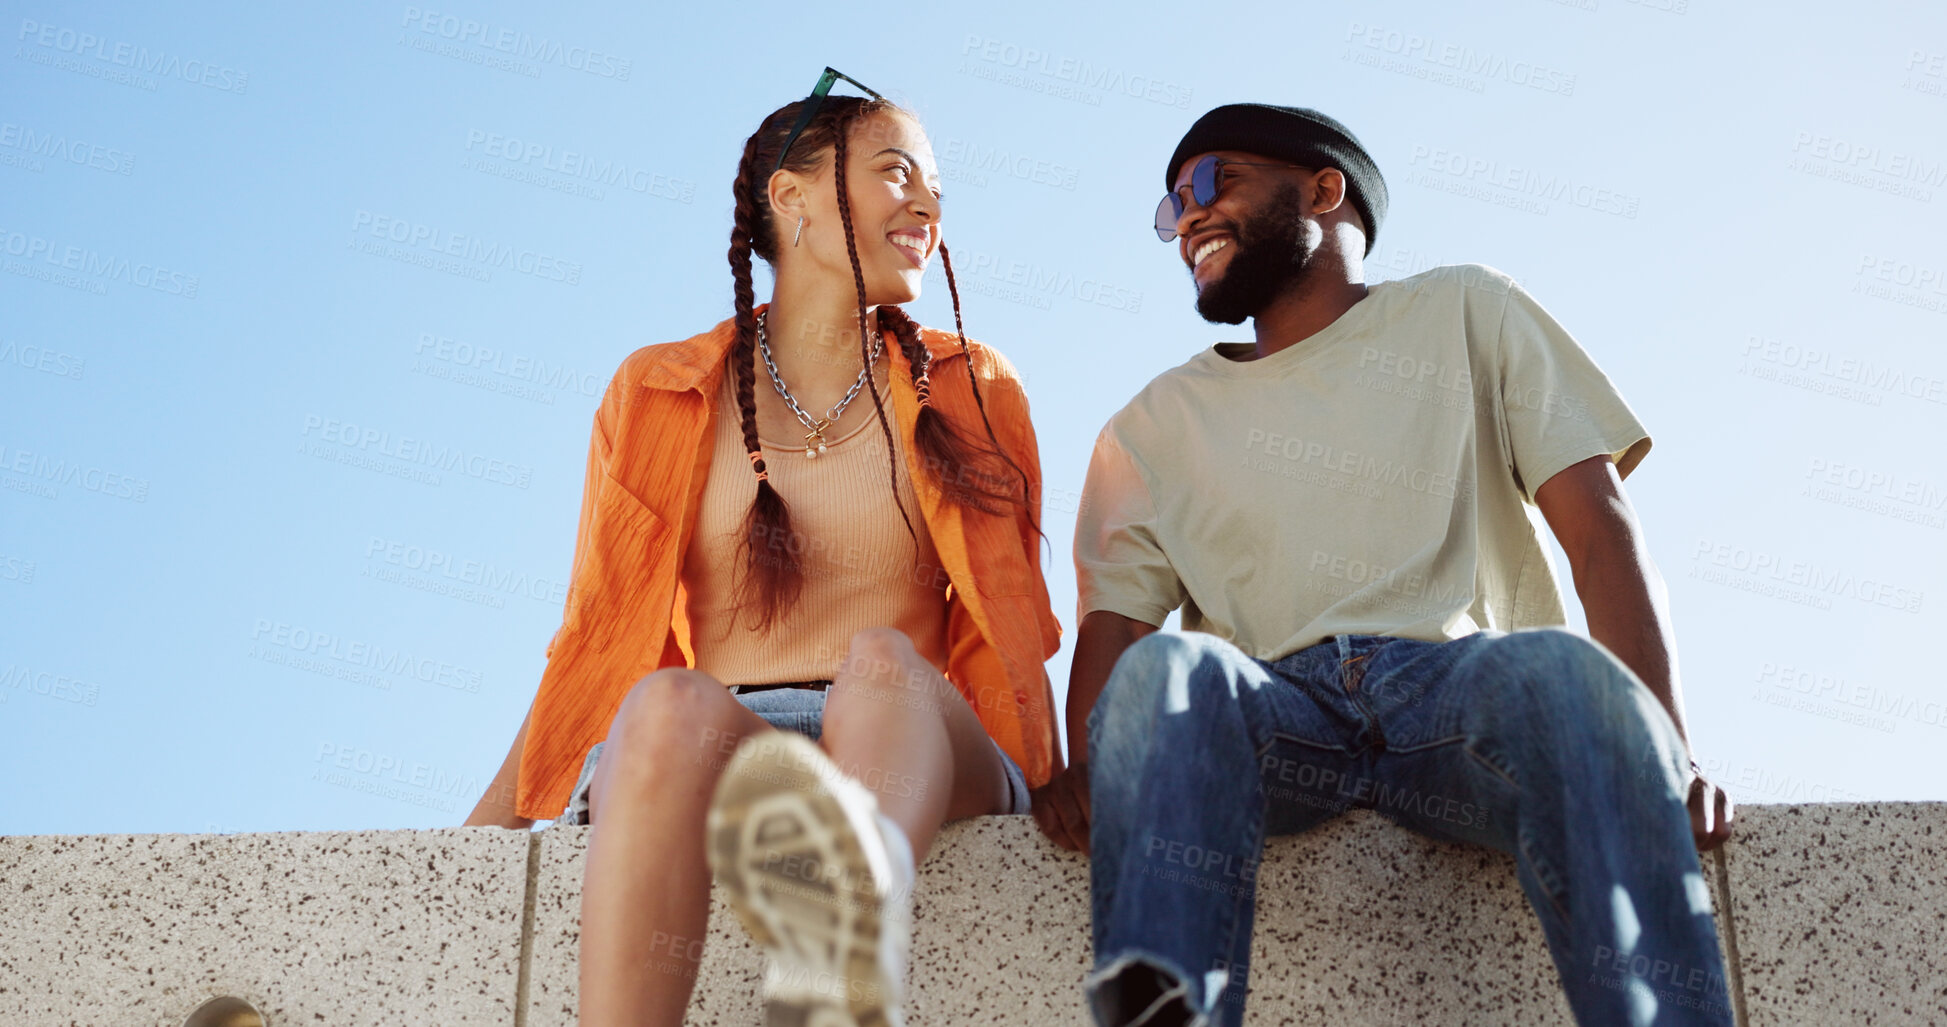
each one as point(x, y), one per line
point(496, 806)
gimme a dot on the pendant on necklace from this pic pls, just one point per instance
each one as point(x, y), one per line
point(815, 437)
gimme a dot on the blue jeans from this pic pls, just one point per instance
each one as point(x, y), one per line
point(1538, 743)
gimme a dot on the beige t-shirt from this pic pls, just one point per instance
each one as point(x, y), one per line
point(1376, 478)
point(862, 569)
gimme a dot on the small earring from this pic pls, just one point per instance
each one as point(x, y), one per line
point(800, 233)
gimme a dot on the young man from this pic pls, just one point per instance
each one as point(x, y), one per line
point(1342, 512)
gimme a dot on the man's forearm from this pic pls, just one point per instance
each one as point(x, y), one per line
point(1628, 610)
point(1099, 643)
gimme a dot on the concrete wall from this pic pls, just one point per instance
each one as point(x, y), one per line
point(1831, 914)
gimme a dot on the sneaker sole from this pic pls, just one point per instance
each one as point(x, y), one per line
point(783, 841)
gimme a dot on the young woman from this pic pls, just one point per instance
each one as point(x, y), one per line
point(820, 498)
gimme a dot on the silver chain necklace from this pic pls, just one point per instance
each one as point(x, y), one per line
point(814, 440)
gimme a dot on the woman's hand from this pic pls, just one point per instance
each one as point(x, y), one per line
point(496, 809)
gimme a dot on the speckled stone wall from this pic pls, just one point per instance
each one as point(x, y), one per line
point(1835, 914)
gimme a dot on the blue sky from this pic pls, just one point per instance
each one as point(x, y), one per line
point(257, 261)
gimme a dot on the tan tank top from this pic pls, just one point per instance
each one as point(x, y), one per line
point(862, 569)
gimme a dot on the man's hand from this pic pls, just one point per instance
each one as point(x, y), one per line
point(1061, 808)
point(1061, 805)
point(1711, 812)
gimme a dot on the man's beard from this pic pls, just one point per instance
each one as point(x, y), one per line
point(1268, 258)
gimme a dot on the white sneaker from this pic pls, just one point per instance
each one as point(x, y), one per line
point(820, 878)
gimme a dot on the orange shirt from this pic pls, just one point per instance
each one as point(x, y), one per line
point(648, 458)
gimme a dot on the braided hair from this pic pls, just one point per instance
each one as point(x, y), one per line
point(967, 470)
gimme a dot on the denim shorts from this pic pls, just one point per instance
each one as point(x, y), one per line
point(787, 709)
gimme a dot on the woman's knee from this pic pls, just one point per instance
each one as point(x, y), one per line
point(883, 672)
point(670, 712)
point(672, 729)
point(876, 654)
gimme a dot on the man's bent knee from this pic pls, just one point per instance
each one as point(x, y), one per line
point(1157, 675)
point(1556, 648)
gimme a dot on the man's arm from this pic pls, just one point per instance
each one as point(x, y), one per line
point(1061, 807)
point(1621, 591)
point(1101, 641)
point(1627, 605)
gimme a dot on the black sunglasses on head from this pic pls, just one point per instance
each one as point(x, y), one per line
point(1203, 189)
point(811, 105)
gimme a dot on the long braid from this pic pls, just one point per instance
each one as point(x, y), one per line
point(953, 458)
point(865, 333)
point(973, 382)
point(771, 574)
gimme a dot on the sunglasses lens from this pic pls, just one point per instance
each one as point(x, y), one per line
point(1167, 212)
point(1203, 187)
point(1203, 181)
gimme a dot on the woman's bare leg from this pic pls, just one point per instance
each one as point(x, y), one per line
point(645, 900)
point(902, 730)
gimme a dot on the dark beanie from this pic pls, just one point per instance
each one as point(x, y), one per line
point(1297, 134)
